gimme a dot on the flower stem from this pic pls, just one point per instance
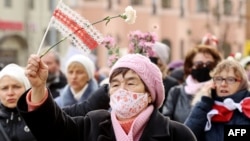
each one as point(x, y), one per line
point(53, 46)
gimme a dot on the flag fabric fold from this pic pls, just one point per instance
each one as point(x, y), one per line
point(80, 31)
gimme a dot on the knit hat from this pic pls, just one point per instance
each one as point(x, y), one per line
point(148, 72)
point(210, 40)
point(85, 61)
point(175, 64)
point(15, 72)
point(245, 61)
point(162, 51)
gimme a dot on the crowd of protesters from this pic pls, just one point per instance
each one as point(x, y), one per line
point(144, 96)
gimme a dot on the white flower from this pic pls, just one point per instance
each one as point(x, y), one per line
point(238, 56)
point(129, 15)
point(231, 58)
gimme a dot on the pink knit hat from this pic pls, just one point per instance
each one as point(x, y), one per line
point(148, 72)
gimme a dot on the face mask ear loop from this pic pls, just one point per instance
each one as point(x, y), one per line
point(149, 99)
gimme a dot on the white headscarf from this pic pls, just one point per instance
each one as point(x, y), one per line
point(15, 72)
point(85, 61)
point(162, 51)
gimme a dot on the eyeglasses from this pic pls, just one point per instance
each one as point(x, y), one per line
point(228, 80)
point(200, 64)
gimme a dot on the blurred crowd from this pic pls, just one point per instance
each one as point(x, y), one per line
point(193, 87)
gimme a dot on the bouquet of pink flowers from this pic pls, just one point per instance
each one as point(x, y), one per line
point(113, 50)
point(142, 43)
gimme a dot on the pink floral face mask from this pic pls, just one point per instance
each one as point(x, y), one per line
point(127, 104)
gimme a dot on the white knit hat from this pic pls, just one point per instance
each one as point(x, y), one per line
point(15, 72)
point(85, 61)
point(162, 51)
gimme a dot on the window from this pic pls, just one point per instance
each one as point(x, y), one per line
point(7, 3)
point(168, 43)
point(182, 10)
point(136, 2)
point(154, 8)
point(8, 56)
point(202, 5)
point(227, 7)
point(166, 3)
point(182, 46)
point(31, 4)
point(109, 4)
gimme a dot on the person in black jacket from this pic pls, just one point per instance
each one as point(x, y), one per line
point(56, 80)
point(135, 97)
point(13, 84)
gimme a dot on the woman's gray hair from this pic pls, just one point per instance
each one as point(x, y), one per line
point(238, 69)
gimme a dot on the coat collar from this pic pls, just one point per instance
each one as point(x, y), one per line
point(150, 133)
point(159, 132)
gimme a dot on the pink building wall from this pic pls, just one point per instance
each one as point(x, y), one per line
point(168, 24)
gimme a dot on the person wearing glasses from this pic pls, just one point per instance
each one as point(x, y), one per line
point(223, 102)
point(198, 63)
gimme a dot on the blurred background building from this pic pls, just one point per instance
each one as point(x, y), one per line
point(179, 23)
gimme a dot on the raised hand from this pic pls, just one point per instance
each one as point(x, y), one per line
point(37, 73)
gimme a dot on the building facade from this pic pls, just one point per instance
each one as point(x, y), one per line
point(179, 23)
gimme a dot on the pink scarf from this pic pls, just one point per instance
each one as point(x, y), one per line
point(137, 126)
point(193, 86)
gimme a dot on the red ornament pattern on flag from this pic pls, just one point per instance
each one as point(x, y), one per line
point(80, 31)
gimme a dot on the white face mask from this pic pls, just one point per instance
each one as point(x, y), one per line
point(127, 104)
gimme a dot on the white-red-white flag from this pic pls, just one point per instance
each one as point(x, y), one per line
point(81, 32)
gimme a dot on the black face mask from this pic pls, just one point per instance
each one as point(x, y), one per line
point(201, 74)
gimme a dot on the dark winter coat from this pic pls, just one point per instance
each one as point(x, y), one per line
point(66, 97)
point(14, 126)
point(178, 104)
point(168, 83)
point(49, 122)
point(198, 118)
point(57, 86)
point(99, 99)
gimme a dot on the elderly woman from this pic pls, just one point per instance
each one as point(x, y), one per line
point(81, 82)
point(224, 102)
point(136, 92)
point(13, 83)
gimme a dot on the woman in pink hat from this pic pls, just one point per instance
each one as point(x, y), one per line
point(136, 92)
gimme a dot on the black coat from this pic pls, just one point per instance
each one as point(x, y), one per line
point(168, 83)
point(55, 87)
point(49, 122)
point(13, 125)
point(178, 104)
